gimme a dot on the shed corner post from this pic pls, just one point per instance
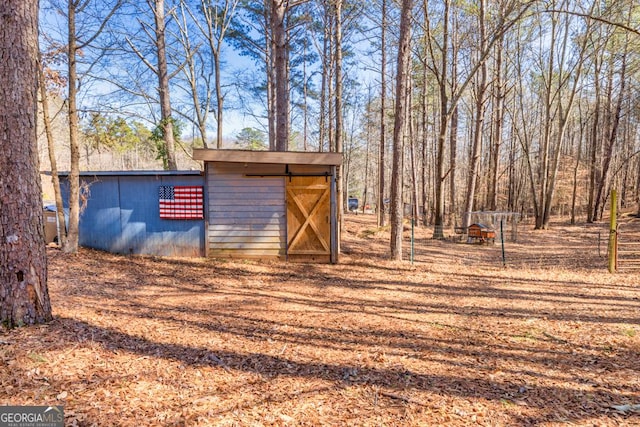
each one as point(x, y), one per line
point(335, 238)
point(205, 248)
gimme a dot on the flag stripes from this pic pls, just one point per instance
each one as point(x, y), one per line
point(181, 202)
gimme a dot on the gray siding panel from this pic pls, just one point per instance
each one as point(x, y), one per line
point(246, 215)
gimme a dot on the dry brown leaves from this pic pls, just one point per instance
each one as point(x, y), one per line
point(455, 338)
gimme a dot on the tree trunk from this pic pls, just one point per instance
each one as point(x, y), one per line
point(271, 77)
point(453, 132)
point(453, 160)
point(74, 147)
point(383, 112)
point(399, 129)
point(322, 131)
point(219, 99)
point(279, 35)
point(163, 86)
point(24, 297)
point(414, 162)
point(574, 193)
point(612, 136)
point(424, 188)
point(438, 223)
point(593, 151)
point(55, 180)
point(365, 195)
point(305, 103)
point(342, 182)
point(498, 119)
point(481, 90)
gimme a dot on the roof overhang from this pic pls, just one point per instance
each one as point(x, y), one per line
point(268, 157)
point(132, 173)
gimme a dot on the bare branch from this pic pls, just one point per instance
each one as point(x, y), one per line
point(596, 18)
point(102, 25)
point(141, 56)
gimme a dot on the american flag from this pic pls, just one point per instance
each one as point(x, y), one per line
point(181, 202)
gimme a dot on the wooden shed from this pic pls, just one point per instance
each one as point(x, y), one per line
point(271, 204)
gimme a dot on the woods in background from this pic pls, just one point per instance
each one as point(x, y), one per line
point(511, 105)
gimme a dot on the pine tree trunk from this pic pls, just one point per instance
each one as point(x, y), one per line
point(24, 298)
point(342, 182)
point(383, 112)
point(399, 129)
point(280, 61)
point(438, 223)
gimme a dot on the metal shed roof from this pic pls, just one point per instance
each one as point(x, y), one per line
point(268, 157)
point(134, 173)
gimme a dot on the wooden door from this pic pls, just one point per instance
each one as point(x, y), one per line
point(308, 217)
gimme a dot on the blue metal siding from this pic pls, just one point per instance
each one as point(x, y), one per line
point(122, 216)
point(100, 220)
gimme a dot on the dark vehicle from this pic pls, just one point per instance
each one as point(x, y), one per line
point(352, 204)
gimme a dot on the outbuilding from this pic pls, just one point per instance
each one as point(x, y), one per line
point(271, 204)
point(141, 212)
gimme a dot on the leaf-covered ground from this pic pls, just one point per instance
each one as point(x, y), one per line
point(456, 338)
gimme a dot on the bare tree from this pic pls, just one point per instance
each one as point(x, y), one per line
point(202, 57)
point(46, 119)
point(613, 117)
point(497, 111)
point(162, 71)
point(509, 13)
point(561, 86)
point(24, 296)
point(79, 40)
point(218, 19)
point(481, 88)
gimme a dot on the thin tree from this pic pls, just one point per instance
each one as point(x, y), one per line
point(24, 296)
point(399, 125)
point(383, 118)
point(273, 21)
point(511, 13)
point(339, 138)
point(55, 179)
point(562, 84)
point(156, 33)
point(78, 41)
point(497, 124)
point(614, 117)
point(196, 72)
point(202, 56)
point(480, 106)
point(162, 71)
point(218, 19)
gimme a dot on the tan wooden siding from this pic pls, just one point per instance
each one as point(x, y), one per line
point(246, 215)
